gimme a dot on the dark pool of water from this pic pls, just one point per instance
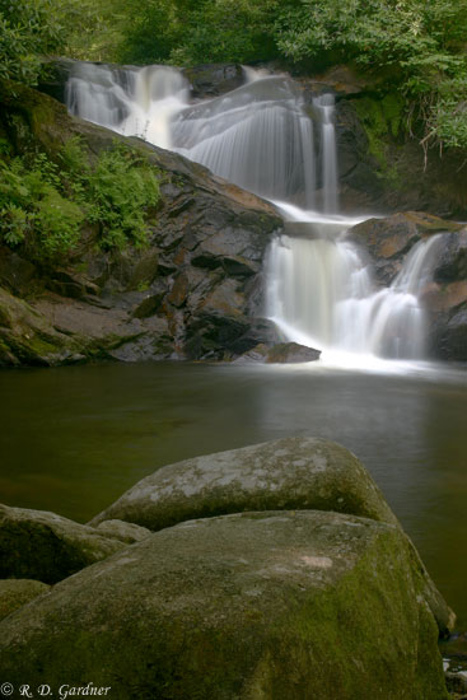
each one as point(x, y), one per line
point(73, 439)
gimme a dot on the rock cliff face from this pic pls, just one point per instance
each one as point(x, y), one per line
point(196, 293)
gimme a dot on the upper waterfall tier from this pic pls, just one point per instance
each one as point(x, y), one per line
point(259, 136)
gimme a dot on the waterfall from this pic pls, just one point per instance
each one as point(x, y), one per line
point(322, 294)
point(131, 101)
point(261, 136)
point(325, 105)
point(257, 136)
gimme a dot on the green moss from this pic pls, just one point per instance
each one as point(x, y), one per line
point(348, 628)
point(383, 124)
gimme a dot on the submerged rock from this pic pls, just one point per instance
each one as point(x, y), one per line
point(297, 472)
point(281, 353)
point(258, 605)
point(284, 353)
point(44, 546)
point(14, 593)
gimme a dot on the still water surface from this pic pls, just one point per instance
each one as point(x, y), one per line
point(74, 439)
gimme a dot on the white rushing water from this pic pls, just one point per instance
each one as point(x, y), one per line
point(320, 292)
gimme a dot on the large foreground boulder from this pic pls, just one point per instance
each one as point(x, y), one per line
point(296, 472)
point(289, 605)
point(44, 546)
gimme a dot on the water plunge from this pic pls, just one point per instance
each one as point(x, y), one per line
point(263, 137)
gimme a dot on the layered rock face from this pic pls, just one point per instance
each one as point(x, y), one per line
point(292, 601)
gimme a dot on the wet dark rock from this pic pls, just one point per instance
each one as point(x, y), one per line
point(387, 242)
point(149, 306)
point(361, 185)
point(214, 79)
point(448, 338)
point(56, 72)
point(17, 276)
point(452, 262)
point(456, 683)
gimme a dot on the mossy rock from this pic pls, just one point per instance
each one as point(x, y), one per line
point(249, 606)
point(44, 546)
point(14, 593)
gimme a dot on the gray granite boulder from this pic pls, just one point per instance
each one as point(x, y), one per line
point(291, 473)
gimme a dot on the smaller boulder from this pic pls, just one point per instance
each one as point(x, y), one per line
point(284, 353)
point(125, 532)
point(44, 546)
point(14, 593)
point(281, 353)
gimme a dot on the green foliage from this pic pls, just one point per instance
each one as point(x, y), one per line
point(419, 46)
point(117, 193)
point(28, 29)
point(44, 206)
point(183, 32)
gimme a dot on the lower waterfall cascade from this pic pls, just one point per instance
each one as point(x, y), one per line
point(264, 138)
